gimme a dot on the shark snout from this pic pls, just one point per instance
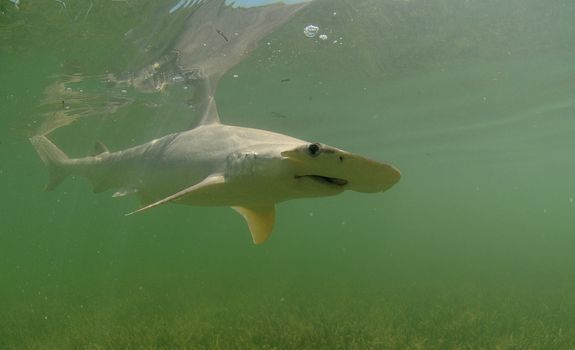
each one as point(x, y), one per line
point(369, 176)
point(340, 169)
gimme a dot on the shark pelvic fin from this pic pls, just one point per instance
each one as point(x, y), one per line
point(208, 183)
point(260, 220)
point(125, 192)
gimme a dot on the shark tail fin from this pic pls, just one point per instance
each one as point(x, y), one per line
point(55, 160)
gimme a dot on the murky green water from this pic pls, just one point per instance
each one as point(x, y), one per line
point(474, 101)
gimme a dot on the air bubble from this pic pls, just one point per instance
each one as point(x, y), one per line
point(323, 37)
point(311, 31)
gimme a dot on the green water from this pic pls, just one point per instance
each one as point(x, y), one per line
point(474, 101)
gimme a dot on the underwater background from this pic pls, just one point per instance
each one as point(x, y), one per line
point(473, 100)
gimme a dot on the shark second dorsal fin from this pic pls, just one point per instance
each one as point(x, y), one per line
point(260, 221)
point(100, 148)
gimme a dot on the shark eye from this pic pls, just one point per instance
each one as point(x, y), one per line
point(314, 149)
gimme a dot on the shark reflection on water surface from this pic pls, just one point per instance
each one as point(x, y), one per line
point(213, 164)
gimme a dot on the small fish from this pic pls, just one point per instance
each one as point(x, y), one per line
point(222, 35)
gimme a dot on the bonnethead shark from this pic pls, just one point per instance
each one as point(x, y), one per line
point(213, 164)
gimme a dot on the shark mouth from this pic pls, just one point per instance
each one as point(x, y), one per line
point(326, 179)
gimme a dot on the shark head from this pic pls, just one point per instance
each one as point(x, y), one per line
point(321, 170)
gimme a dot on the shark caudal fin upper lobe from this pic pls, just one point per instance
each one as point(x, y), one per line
point(55, 160)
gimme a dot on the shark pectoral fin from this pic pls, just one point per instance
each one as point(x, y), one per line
point(260, 221)
point(208, 182)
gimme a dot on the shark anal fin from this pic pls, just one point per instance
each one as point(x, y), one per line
point(260, 221)
point(208, 183)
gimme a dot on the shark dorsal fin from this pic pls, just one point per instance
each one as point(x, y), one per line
point(210, 113)
point(260, 221)
point(205, 102)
